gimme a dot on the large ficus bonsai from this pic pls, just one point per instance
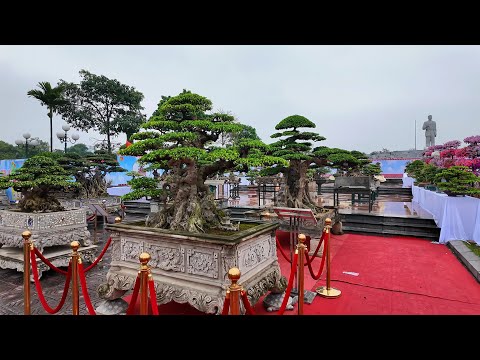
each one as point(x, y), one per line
point(180, 140)
point(37, 179)
point(295, 146)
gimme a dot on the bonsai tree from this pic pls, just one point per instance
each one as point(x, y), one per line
point(427, 173)
point(413, 168)
point(180, 140)
point(457, 180)
point(295, 146)
point(89, 170)
point(371, 169)
point(346, 162)
point(36, 180)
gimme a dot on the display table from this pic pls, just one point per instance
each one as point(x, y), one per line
point(407, 181)
point(458, 217)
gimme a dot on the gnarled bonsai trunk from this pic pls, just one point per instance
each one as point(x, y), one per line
point(38, 200)
point(193, 208)
point(296, 189)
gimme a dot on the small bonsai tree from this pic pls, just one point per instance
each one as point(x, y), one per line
point(413, 168)
point(371, 169)
point(427, 173)
point(457, 180)
point(180, 140)
point(296, 148)
point(36, 180)
point(346, 162)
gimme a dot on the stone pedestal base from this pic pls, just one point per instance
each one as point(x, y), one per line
point(112, 307)
point(12, 257)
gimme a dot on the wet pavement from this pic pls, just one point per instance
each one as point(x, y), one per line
point(11, 286)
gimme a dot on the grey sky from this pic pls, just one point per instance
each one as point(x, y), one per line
point(360, 97)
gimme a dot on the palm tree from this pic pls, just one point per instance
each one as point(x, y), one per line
point(52, 98)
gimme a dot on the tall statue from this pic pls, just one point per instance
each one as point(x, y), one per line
point(430, 128)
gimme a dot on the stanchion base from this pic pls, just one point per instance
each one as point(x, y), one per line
point(331, 293)
point(308, 296)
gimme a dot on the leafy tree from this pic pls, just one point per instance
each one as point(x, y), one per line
point(296, 148)
point(36, 179)
point(102, 104)
point(52, 98)
point(80, 149)
point(415, 167)
point(8, 151)
point(180, 140)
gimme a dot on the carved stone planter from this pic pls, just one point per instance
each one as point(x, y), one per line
point(48, 229)
point(193, 268)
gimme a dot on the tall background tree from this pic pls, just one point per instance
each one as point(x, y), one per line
point(102, 104)
point(180, 140)
point(52, 98)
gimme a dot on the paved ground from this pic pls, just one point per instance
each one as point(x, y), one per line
point(11, 287)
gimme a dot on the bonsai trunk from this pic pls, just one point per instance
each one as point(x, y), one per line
point(296, 189)
point(193, 208)
point(38, 200)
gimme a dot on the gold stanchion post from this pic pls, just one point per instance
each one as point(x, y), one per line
point(144, 272)
point(75, 293)
point(328, 291)
point(27, 247)
point(118, 219)
point(235, 289)
point(301, 248)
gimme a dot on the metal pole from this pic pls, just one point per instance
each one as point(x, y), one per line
point(26, 148)
point(144, 270)
point(415, 134)
point(75, 293)
point(327, 291)
point(27, 247)
point(65, 141)
point(234, 276)
point(301, 247)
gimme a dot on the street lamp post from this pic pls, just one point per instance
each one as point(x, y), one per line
point(64, 137)
point(27, 142)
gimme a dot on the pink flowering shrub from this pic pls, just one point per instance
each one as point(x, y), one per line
point(464, 162)
point(472, 139)
point(449, 153)
point(453, 144)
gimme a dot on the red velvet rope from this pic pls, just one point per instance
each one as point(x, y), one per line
point(226, 304)
point(91, 217)
point(290, 285)
point(309, 262)
point(99, 256)
point(86, 297)
point(39, 286)
point(133, 300)
point(281, 251)
point(48, 263)
point(246, 303)
point(153, 296)
point(318, 248)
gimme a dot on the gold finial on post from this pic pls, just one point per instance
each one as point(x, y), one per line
point(27, 247)
point(235, 289)
point(74, 263)
point(144, 272)
point(301, 248)
point(118, 219)
point(327, 291)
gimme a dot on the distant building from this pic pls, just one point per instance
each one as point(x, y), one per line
point(393, 163)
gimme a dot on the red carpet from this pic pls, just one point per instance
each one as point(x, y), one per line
point(396, 275)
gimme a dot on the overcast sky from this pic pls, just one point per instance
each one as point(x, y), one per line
point(360, 97)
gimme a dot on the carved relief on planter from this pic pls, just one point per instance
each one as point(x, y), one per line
point(255, 253)
point(131, 250)
point(202, 262)
point(166, 257)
